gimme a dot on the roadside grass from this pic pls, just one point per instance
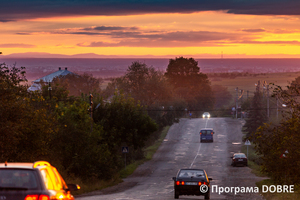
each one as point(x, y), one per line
point(252, 160)
point(148, 152)
point(94, 185)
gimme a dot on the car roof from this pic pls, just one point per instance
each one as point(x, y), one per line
point(37, 164)
point(207, 129)
point(192, 169)
point(238, 154)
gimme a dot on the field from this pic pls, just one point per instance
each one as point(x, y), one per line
point(247, 83)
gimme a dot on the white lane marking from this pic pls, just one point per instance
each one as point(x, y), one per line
point(196, 155)
point(206, 123)
point(199, 147)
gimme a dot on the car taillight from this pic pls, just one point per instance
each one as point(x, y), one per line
point(200, 133)
point(199, 183)
point(37, 197)
point(211, 133)
point(179, 182)
point(32, 197)
point(44, 197)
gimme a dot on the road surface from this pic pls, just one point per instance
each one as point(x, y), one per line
point(182, 149)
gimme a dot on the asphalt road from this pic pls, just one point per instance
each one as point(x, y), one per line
point(182, 149)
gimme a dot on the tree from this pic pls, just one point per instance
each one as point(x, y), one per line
point(78, 84)
point(144, 84)
point(25, 129)
point(222, 96)
point(257, 116)
point(124, 122)
point(184, 75)
point(278, 144)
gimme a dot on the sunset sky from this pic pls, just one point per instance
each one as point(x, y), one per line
point(164, 28)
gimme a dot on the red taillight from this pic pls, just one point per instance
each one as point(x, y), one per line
point(177, 183)
point(44, 197)
point(182, 183)
point(37, 197)
point(32, 197)
point(199, 183)
point(204, 183)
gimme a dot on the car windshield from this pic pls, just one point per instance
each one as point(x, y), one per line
point(17, 178)
point(190, 173)
point(204, 132)
point(240, 155)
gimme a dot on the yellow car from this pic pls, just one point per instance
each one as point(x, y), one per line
point(33, 181)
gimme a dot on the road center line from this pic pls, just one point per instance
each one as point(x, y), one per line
point(198, 148)
point(196, 155)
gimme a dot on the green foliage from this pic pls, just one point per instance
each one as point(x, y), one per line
point(191, 85)
point(125, 123)
point(143, 83)
point(150, 88)
point(257, 117)
point(222, 96)
point(24, 130)
point(272, 141)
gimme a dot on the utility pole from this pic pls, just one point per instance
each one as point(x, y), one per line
point(242, 94)
point(257, 86)
point(277, 106)
point(268, 106)
point(91, 110)
point(49, 89)
point(236, 101)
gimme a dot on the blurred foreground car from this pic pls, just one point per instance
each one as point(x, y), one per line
point(206, 115)
point(33, 181)
point(239, 159)
point(191, 182)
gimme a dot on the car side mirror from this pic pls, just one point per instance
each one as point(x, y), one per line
point(73, 187)
point(174, 178)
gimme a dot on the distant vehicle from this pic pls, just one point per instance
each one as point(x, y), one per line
point(33, 181)
point(192, 182)
point(239, 159)
point(207, 135)
point(206, 115)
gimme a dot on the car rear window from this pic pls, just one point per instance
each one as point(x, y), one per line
point(240, 156)
point(190, 173)
point(18, 178)
point(204, 132)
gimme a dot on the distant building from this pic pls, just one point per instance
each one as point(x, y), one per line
point(48, 79)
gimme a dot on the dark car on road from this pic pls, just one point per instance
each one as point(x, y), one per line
point(207, 135)
point(33, 181)
point(239, 159)
point(192, 182)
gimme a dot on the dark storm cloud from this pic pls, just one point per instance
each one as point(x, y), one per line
point(28, 9)
point(173, 39)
